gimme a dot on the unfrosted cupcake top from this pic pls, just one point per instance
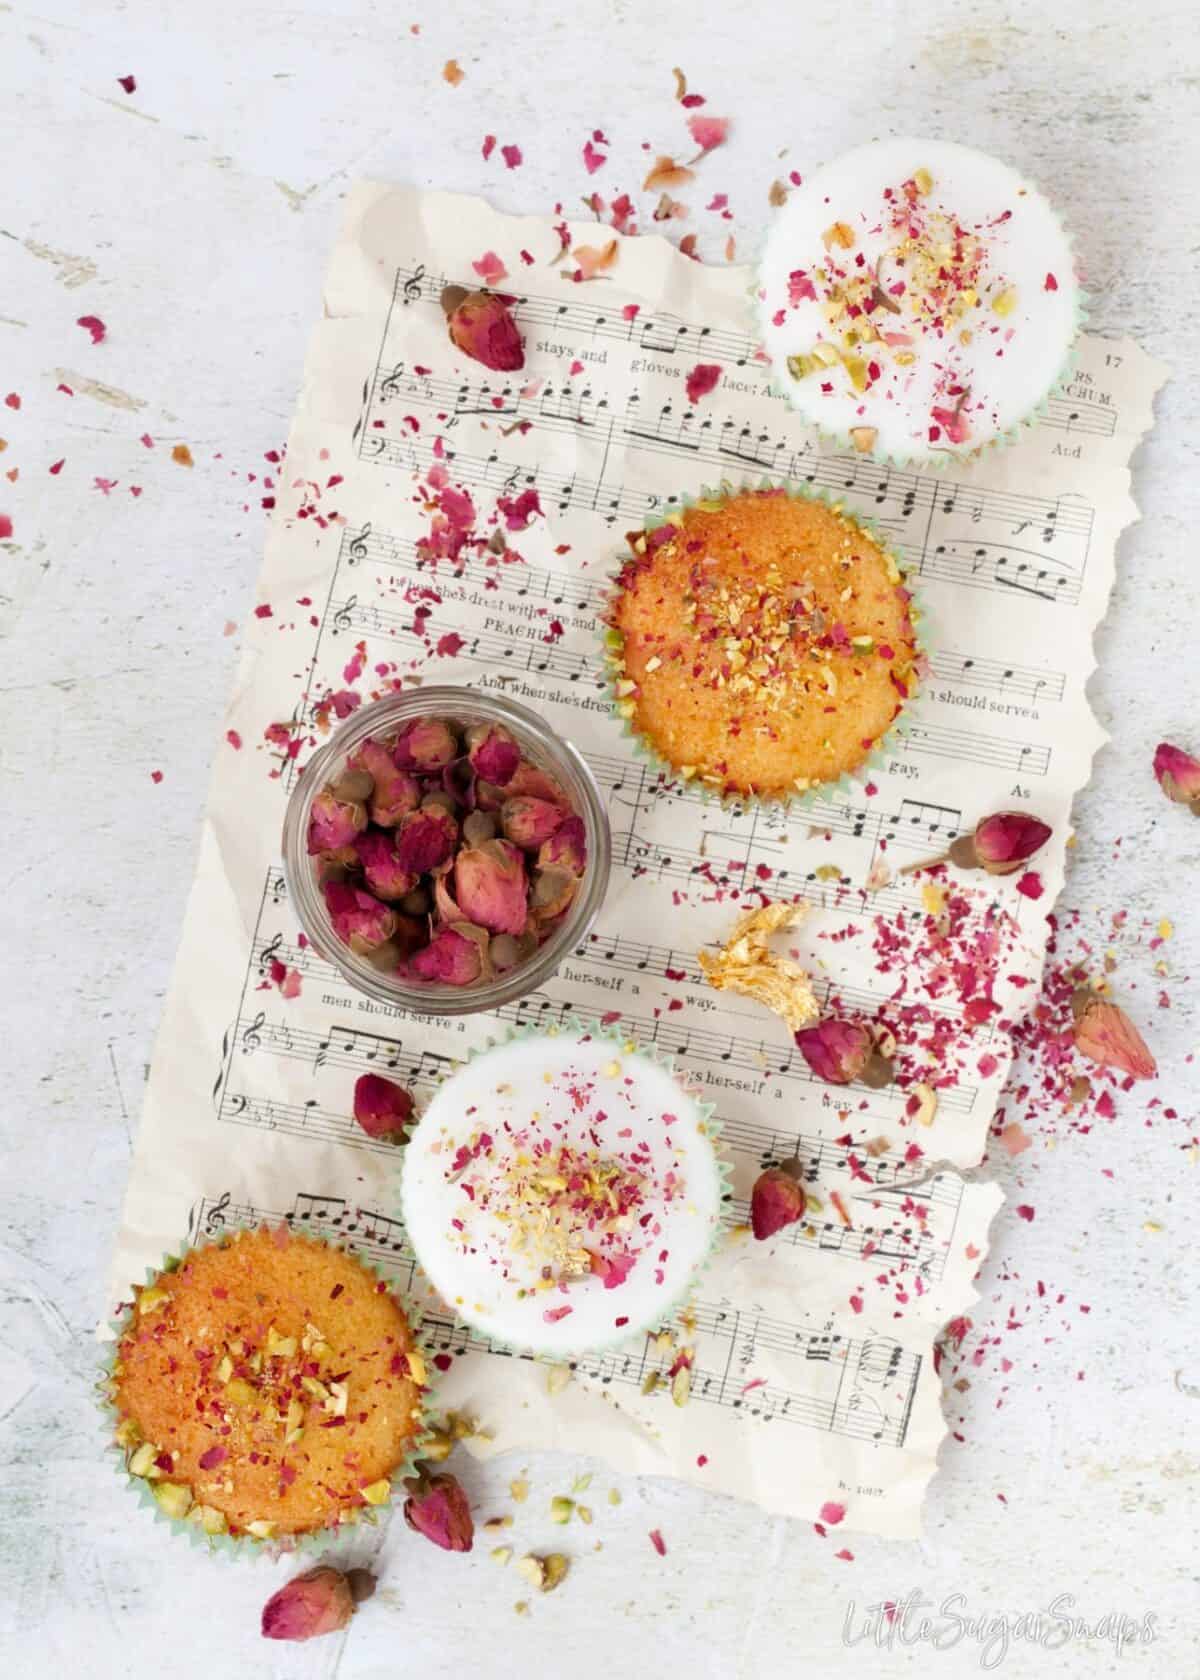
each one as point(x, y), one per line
point(919, 297)
point(268, 1385)
point(560, 1191)
point(765, 643)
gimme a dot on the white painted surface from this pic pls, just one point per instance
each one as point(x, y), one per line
point(194, 217)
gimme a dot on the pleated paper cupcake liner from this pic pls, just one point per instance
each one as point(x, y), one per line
point(932, 459)
point(884, 750)
point(192, 1525)
point(586, 1027)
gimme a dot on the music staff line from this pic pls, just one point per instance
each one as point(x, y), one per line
point(873, 1362)
point(559, 589)
point(979, 564)
point(664, 333)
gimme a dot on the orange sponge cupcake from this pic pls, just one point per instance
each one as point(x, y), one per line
point(268, 1387)
point(763, 643)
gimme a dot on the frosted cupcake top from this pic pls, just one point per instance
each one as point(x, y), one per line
point(919, 297)
point(560, 1192)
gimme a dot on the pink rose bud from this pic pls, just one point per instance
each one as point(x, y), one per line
point(382, 1108)
point(455, 956)
point(395, 792)
point(776, 1200)
point(493, 753)
point(319, 1601)
point(334, 822)
point(425, 839)
point(1002, 844)
point(566, 847)
point(528, 821)
point(358, 919)
point(481, 327)
point(553, 889)
point(528, 779)
point(1178, 775)
point(385, 875)
point(426, 744)
point(1105, 1034)
point(490, 886)
point(842, 1051)
point(437, 1508)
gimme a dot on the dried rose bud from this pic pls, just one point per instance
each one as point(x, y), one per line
point(385, 875)
point(841, 1051)
point(359, 920)
point(493, 753)
point(319, 1601)
point(481, 327)
point(437, 1508)
point(506, 950)
point(553, 890)
point(528, 821)
point(395, 792)
point(490, 886)
point(382, 1108)
point(776, 1200)
point(566, 847)
point(455, 956)
point(1001, 844)
point(479, 826)
point(425, 840)
point(528, 779)
point(426, 744)
point(334, 822)
point(1178, 775)
point(1105, 1034)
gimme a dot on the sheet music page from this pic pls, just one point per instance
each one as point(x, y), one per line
point(814, 1376)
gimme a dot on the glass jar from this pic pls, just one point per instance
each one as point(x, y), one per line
point(538, 743)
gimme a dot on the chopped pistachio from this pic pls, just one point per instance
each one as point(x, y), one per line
point(681, 1385)
point(863, 438)
point(261, 1530)
point(501, 1553)
point(416, 1368)
point(151, 1299)
point(173, 1498)
point(141, 1462)
point(561, 1508)
point(519, 1489)
point(584, 1513)
point(208, 1518)
point(377, 1493)
point(923, 181)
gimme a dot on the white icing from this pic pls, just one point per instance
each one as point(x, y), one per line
point(586, 1093)
point(1008, 372)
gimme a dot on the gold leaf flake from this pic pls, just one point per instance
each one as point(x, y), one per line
point(746, 965)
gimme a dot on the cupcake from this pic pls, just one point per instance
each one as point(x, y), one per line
point(763, 643)
point(267, 1386)
point(918, 299)
point(561, 1192)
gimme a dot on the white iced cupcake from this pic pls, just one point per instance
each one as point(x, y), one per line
point(561, 1191)
point(918, 299)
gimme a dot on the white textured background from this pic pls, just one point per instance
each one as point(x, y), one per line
point(194, 217)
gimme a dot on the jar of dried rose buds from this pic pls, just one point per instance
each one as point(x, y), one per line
point(445, 850)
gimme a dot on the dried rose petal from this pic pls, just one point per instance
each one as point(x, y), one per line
point(426, 744)
point(489, 884)
point(528, 821)
point(358, 919)
point(320, 1601)
point(426, 839)
point(776, 1200)
point(385, 875)
point(382, 1108)
point(333, 822)
point(482, 327)
point(455, 956)
point(1001, 844)
point(493, 753)
point(1105, 1034)
point(566, 847)
point(708, 132)
point(437, 1508)
point(1178, 775)
point(836, 1051)
point(613, 1269)
point(395, 792)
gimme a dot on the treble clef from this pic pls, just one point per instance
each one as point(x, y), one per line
point(268, 952)
point(215, 1219)
point(252, 1036)
point(358, 546)
point(412, 286)
point(343, 618)
point(390, 387)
